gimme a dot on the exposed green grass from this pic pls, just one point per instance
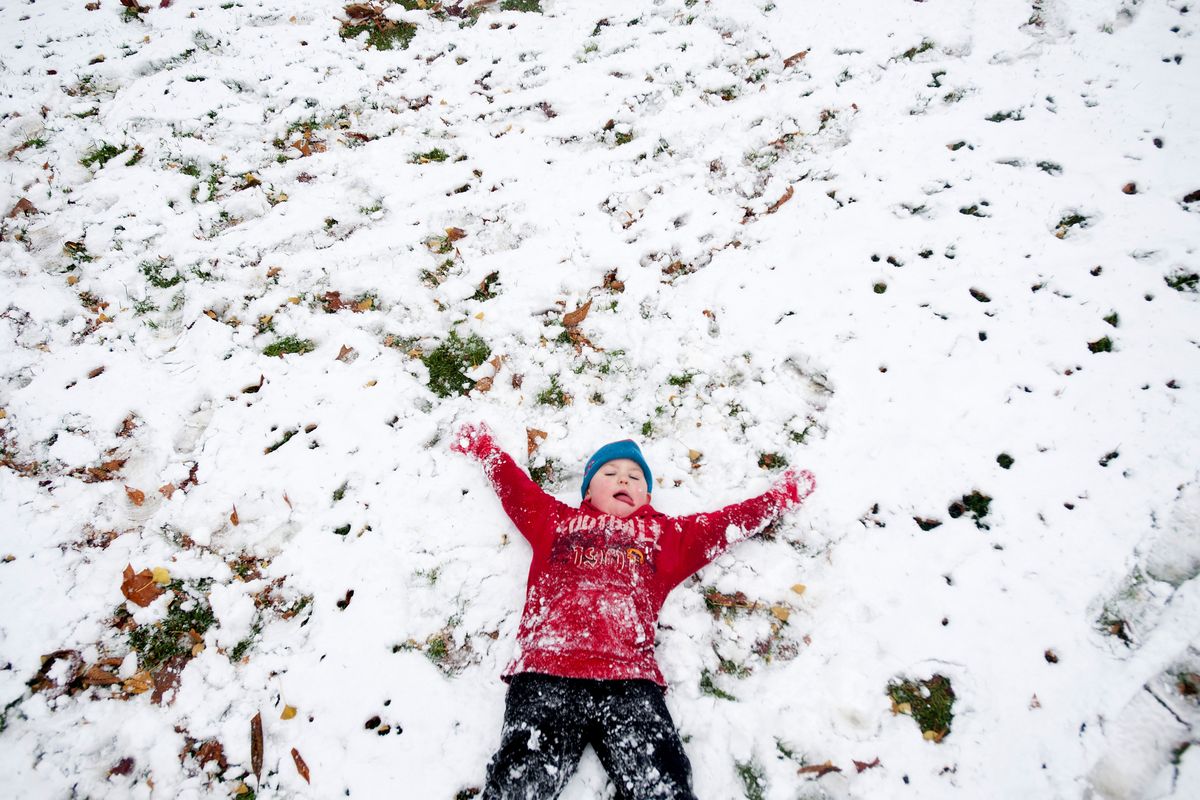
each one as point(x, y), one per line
point(287, 436)
point(449, 362)
point(544, 475)
point(189, 610)
point(930, 702)
point(486, 290)
point(681, 380)
point(101, 154)
point(382, 35)
point(1001, 116)
point(754, 779)
point(153, 272)
point(289, 345)
point(1005, 460)
point(528, 6)
point(912, 52)
point(712, 690)
point(437, 154)
point(976, 503)
point(1069, 221)
point(1101, 345)
point(553, 395)
point(1183, 281)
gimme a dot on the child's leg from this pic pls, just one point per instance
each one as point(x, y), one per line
point(542, 740)
point(638, 745)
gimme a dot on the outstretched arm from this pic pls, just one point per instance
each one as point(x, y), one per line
point(526, 504)
point(696, 540)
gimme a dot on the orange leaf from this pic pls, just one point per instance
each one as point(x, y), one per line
point(820, 770)
point(136, 496)
point(140, 587)
point(787, 195)
point(533, 437)
point(234, 517)
point(577, 316)
point(301, 767)
point(454, 234)
point(794, 58)
point(364, 305)
point(167, 491)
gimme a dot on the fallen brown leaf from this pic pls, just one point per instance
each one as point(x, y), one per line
point(167, 490)
point(256, 745)
point(301, 767)
point(140, 588)
point(23, 207)
point(454, 234)
point(787, 195)
point(125, 765)
point(820, 770)
point(136, 496)
point(167, 677)
point(862, 766)
point(42, 682)
point(345, 354)
point(95, 676)
point(577, 316)
point(212, 750)
point(533, 438)
point(794, 58)
point(234, 516)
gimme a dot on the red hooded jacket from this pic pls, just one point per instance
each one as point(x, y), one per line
point(597, 582)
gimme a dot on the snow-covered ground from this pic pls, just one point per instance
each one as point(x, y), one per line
point(938, 252)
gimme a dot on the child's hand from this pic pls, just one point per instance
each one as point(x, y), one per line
point(473, 439)
point(795, 486)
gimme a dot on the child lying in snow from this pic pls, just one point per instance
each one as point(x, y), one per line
point(585, 672)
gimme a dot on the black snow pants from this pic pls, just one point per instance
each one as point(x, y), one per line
point(548, 721)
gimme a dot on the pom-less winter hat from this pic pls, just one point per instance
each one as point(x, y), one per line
point(626, 448)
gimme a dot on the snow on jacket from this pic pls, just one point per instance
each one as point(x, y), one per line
point(597, 582)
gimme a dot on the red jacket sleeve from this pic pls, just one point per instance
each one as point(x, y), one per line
point(531, 509)
point(689, 543)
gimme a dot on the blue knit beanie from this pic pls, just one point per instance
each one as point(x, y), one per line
point(626, 448)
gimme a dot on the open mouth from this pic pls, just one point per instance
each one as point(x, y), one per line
point(623, 497)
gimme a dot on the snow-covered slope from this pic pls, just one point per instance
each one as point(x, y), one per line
point(943, 254)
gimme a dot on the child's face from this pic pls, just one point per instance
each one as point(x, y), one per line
point(619, 488)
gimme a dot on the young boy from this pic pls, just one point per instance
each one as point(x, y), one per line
point(584, 671)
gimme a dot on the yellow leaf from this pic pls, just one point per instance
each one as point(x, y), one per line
point(288, 712)
point(369, 384)
point(294, 301)
point(781, 613)
point(931, 736)
point(72, 280)
point(799, 588)
point(104, 317)
point(241, 787)
point(479, 315)
point(161, 576)
point(904, 708)
point(3, 414)
point(139, 683)
point(197, 648)
point(694, 455)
